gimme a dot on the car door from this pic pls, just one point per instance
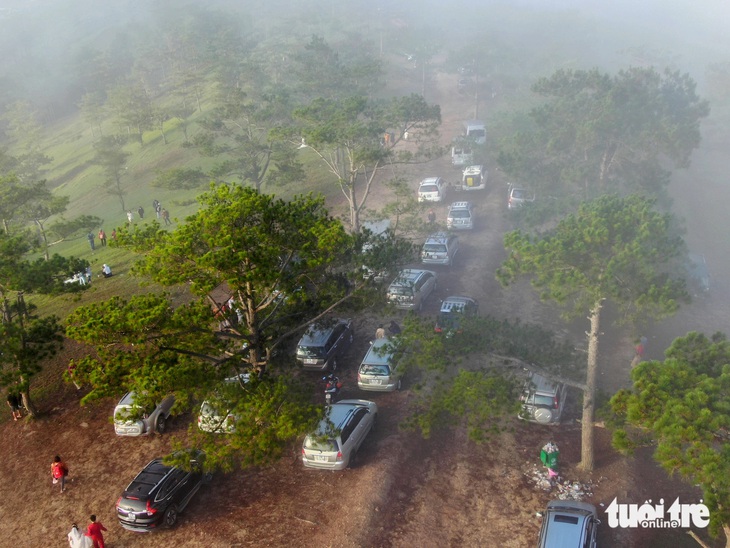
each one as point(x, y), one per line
point(361, 427)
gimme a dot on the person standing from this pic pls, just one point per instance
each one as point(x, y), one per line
point(130, 217)
point(59, 471)
point(166, 216)
point(77, 539)
point(94, 532)
point(394, 328)
point(102, 237)
point(14, 405)
point(140, 211)
point(114, 234)
point(431, 216)
point(380, 332)
point(90, 237)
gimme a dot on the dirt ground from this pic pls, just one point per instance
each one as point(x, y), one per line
point(402, 491)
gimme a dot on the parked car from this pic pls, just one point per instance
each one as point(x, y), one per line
point(379, 370)
point(339, 435)
point(157, 494)
point(453, 310)
point(461, 153)
point(130, 419)
point(460, 216)
point(699, 274)
point(569, 524)
point(410, 288)
point(431, 189)
point(474, 178)
point(379, 232)
point(543, 399)
point(440, 248)
point(323, 343)
point(519, 196)
point(216, 414)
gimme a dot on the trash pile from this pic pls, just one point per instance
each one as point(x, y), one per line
point(548, 478)
point(566, 489)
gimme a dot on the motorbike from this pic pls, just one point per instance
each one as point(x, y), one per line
point(332, 386)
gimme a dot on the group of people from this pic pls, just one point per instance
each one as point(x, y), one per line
point(393, 329)
point(160, 212)
point(92, 536)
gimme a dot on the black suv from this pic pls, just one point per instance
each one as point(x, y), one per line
point(156, 495)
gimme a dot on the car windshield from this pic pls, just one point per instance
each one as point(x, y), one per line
point(320, 444)
point(376, 370)
point(429, 188)
point(447, 320)
point(518, 194)
point(460, 214)
point(310, 352)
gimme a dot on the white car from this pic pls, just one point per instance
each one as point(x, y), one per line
point(431, 189)
point(131, 419)
point(339, 435)
point(211, 419)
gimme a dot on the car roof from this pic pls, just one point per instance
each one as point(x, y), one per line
point(376, 355)
point(456, 303)
point(473, 170)
point(543, 385)
point(339, 412)
point(430, 180)
point(145, 482)
point(461, 205)
point(410, 275)
point(319, 331)
point(440, 237)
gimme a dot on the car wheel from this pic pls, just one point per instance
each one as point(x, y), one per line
point(160, 424)
point(170, 517)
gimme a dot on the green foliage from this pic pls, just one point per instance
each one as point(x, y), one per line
point(180, 178)
point(683, 403)
point(612, 248)
point(598, 134)
point(268, 412)
point(467, 376)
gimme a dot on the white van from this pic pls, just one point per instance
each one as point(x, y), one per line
point(461, 155)
point(474, 178)
point(476, 131)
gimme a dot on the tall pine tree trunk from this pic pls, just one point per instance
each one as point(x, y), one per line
point(589, 394)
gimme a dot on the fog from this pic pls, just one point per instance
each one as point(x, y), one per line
point(53, 52)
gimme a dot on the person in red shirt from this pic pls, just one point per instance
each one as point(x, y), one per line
point(59, 471)
point(94, 532)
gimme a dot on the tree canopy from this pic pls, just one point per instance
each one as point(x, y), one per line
point(613, 248)
point(282, 264)
point(683, 404)
point(597, 133)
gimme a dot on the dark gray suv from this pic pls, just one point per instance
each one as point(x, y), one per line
point(323, 343)
point(157, 495)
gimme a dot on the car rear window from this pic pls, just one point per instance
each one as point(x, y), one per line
point(434, 248)
point(401, 290)
point(310, 352)
point(429, 188)
point(377, 370)
point(460, 214)
point(562, 518)
point(134, 505)
point(544, 400)
point(319, 444)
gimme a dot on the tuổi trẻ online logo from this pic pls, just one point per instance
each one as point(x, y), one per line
point(655, 516)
